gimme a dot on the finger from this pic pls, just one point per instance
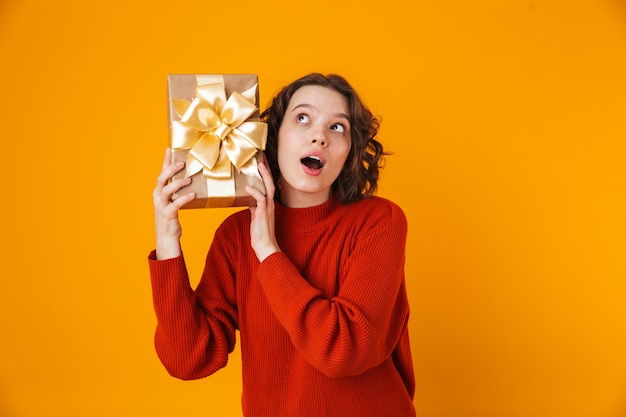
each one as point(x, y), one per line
point(168, 172)
point(268, 181)
point(182, 200)
point(256, 194)
point(163, 193)
point(167, 159)
point(174, 186)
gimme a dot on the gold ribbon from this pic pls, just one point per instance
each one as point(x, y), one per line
point(218, 135)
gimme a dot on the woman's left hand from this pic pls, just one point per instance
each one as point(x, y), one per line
point(262, 235)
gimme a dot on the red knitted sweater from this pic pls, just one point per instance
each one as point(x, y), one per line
point(323, 324)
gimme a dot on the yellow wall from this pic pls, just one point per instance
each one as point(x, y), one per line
point(507, 123)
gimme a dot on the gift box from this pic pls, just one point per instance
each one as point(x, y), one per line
point(215, 128)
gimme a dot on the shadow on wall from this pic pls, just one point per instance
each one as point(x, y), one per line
point(6, 11)
point(620, 8)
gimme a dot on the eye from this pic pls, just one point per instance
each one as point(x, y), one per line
point(338, 127)
point(302, 118)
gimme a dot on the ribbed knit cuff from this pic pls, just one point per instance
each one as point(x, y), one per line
point(282, 283)
point(163, 274)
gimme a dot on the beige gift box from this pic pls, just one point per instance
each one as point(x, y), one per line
point(215, 128)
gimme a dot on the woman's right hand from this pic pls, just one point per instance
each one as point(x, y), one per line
point(167, 226)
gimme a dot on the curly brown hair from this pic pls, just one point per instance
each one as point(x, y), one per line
point(359, 176)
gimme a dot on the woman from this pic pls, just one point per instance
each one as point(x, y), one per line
point(312, 277)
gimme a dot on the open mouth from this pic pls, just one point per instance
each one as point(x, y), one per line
point(312, 162)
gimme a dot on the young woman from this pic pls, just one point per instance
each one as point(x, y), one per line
point(312, 277)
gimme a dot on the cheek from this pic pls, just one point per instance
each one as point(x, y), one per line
point(344, 151)
point(282, 148)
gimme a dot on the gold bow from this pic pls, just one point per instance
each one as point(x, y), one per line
point(217, 134)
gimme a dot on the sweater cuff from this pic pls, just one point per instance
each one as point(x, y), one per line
point(282, 282)
point(162, 271)
point(163, 266)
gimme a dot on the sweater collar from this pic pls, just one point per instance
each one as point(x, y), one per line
point(305, 218)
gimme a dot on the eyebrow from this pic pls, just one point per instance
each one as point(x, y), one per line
point(309, 106)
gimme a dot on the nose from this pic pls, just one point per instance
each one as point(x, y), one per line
point(319, 139)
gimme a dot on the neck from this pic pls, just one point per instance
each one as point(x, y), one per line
point(291, 199)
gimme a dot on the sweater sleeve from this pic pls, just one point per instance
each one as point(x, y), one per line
point(193, 337)
point(359, 327)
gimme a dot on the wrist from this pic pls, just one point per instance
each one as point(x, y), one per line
point(264, 254)
point(167, 249)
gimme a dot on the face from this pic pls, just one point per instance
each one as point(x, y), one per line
point(313, 145)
